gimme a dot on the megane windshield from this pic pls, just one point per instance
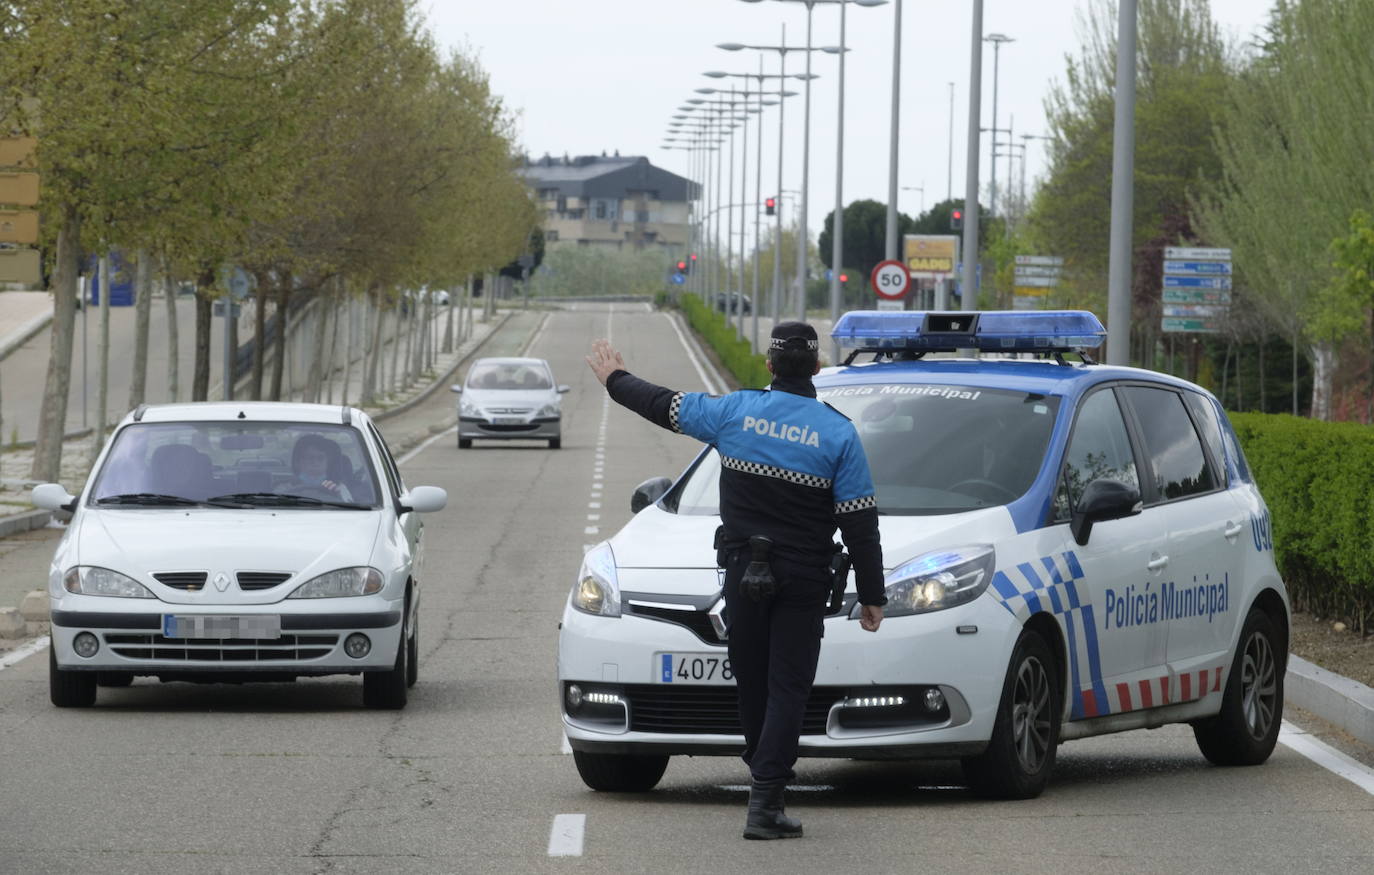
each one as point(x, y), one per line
point(931, 449)
point(238, 465)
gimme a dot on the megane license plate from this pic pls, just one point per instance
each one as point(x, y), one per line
point(220, 627)
point(693, 668)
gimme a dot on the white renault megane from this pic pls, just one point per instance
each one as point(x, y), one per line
point(1071, 549)
point(239, 541)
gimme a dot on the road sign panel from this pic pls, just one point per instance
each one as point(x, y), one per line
point(1036, 291)
point(20, 266)
point(17, 151)
point(931, 256)
point(1041, 260)
point(1035, 270)
point(18, 226)
point(1185, 324)
point(890, 280)
point(1196, 296)
point(1045, 282)
point(1194, 310)
point(1195, 268)
point(19, 188)
point(1193, 253)
point(1197, 282)
point(679, 279)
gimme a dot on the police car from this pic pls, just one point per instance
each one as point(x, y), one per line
point(1071, 549)
point(237, 542)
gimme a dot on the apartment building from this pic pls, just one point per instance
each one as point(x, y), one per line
point(611, 201)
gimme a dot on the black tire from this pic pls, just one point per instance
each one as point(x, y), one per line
point(555, 443)
point(1020, 757)
point(620, 773)
point(1246, 728)
point(464, 443)
point(114, 678)
point(387, 690)
point(69, 689)
point(413, 656)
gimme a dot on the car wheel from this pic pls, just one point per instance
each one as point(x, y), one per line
point(413, 657)
point(114, 678)
point(555, 443)
point(464, 443)
point(386, 690)
point(1020, 757)
point(1245, 729)
point(619, 773)
point(69, 689)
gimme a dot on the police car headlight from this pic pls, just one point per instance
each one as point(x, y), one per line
point(93, 580)
point(938, 580)
point(597, 590)
point(467, 408)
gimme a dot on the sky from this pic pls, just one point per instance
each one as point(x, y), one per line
point(585, 77)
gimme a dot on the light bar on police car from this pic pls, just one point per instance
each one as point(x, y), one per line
point(988, 331)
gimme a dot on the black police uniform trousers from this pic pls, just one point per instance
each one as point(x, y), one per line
point(774, 645)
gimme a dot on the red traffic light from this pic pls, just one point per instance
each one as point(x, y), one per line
point(682, 265)
point(770, 206)
point(694, 256)
point(956, 220)
point(844, 277)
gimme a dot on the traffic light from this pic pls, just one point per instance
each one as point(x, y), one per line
point(844, 277)
point(770, 206)
point(956, 220)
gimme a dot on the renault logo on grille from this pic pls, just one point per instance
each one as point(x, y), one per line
point(221, 581)
point(717, 614)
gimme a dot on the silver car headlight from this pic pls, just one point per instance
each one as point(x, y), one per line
point(549, 410)
point(467, 408)
point(343, 582)
point(597, 590)
point(92, 580)
point(938, 580)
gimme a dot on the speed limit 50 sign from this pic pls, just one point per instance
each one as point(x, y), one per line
point(890, 280)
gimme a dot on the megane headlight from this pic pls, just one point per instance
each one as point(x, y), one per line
point(92, 580)
point(597, 590)
point(937, 580)
point(343, 582)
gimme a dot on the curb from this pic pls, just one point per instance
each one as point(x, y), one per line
point(439, 380)
point(1348, 704)
point(24, 522)
point(24, 334)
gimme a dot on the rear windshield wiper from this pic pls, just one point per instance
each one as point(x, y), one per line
point(148, 499)
point(286, 499)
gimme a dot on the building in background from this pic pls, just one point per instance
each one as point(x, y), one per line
point(611, 201)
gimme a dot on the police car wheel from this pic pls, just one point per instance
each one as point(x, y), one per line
point(1020, 756)
point(619, 773)
point(114, 678)
point(464, 443)
point(1246, 728)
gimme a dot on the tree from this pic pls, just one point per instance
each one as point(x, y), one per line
point(865, 236)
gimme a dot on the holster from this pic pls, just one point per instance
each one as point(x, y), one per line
point(839, 577)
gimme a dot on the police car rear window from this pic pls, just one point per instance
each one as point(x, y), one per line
point(931, 449)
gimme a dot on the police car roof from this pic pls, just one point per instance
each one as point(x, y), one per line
point(1045, 377)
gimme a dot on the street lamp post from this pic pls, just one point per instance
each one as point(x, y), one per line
point(922, 190)
point(975, 89)
point(893, 243)
point(996, 39)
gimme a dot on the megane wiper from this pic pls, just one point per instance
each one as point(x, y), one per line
point(148, 499)
point(286, 499)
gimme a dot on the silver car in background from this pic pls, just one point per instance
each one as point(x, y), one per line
point(510, 399)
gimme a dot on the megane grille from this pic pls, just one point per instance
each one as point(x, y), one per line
point(288, 647)
point(713, 710)
point(262, 579)
point(189, 580)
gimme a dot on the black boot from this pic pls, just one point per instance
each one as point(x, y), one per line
point(766, 817)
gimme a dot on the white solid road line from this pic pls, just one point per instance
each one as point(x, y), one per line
point(567, 746)
point(565, 838)
point(1326, 756)
point(427, 441)
point(692, 356)
point(22, 651)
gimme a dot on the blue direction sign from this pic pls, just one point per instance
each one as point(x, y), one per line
point(1197, 282)
point(679, 279)
point(1198, 268)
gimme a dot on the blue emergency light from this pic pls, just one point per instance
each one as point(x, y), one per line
point(987, 331)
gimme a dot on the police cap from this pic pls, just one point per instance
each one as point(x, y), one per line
point(794, 335)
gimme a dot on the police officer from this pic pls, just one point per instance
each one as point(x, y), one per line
point(792, 471)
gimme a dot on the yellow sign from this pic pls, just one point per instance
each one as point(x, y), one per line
point(931, 256)
point(18, 226)
point(1037, 291)
point(18, 188)
point(17, 151)
point(20, 266)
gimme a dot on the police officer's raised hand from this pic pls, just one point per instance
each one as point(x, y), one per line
point(871, 617)
point(604, 360)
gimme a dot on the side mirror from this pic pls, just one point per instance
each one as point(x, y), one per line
point(564, 389)
point(456, 389)
point(648, 492)
point(52, 496)
point(423, 499)
point(1103, 500)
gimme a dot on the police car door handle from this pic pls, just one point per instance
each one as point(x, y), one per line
point(1232, 530)
point(1157, 563)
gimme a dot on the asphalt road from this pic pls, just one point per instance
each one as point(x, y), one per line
point(473, 775)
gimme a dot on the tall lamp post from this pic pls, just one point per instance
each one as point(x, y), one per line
point(922, 190)
point(975, 92)
point(997, 39)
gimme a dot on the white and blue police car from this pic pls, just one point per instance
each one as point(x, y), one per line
point(1071, 549)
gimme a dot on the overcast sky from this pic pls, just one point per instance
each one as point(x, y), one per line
point(587, 76)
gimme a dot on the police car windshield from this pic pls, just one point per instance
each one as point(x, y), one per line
point(932, 449)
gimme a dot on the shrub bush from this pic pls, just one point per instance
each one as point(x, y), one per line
point(749, 370)
point(1318, 480)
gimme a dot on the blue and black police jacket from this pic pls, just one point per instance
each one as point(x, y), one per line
point(792, 468)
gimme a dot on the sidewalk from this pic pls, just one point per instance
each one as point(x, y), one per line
point(22, 315)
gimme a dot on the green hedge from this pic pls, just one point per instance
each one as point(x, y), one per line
point(749, 370)
point(1318, 480)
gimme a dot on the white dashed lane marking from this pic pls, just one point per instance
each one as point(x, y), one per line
point(565, 837)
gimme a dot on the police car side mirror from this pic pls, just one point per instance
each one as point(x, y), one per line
point(1103, 500)
point(648, 492)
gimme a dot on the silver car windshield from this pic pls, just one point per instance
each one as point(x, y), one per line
point(508, 376)
point(931, 449)
point(237, 464)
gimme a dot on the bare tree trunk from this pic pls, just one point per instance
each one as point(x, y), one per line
point(1263, 339)
point(408, 362)
point(102, 406)
point(372, 387)
point(200, 380)
point(314, 360)
point(1323, 370)
point(393, 384)
point(448, 323)
point(52, 419)
point(143, 309)
point(279, 345)
point(335, 307)
point(169, 288)
point(259, 333)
